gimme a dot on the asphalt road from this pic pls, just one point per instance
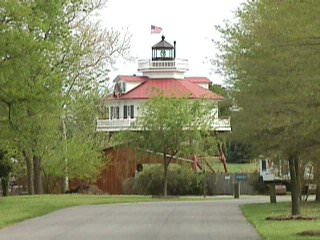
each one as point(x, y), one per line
point(217, 219)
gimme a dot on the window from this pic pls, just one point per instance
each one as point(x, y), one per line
point(128, 111)
point(131, 111)
point(107, 115)
point(125, 111)
point(117, 112)
point(264, 165)
point(114, 112)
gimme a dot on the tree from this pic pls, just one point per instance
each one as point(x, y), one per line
point(225, 106)
point(238, 152)
point(173, 127)
point(49, 53)
point(5, 169)
point(268, 57)
point(77, 152)
point(31, 37)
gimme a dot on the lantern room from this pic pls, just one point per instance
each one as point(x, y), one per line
point(163, 51)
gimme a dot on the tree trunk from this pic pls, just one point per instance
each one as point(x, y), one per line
point(66, 177)
point(29, 173)
point(165, 176)
point(37, 175)
point(4, 186)
point(272, 193)
point(295, 185)
point(318, 192)
point(316, 176)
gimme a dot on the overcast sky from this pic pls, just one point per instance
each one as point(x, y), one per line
point(190, 23)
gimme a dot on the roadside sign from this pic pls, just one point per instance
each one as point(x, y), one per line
point(241, 178)
point(227, 177)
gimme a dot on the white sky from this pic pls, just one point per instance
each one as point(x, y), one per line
point(190, 23)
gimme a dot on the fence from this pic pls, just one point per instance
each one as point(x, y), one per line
point(222, 183)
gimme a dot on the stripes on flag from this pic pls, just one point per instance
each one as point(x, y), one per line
point(155, 29)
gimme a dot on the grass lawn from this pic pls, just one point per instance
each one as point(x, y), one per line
point(236, 167)
point(257, 213)
point(16, 209)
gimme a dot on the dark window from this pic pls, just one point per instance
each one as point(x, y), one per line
point(117, 112)
point(125, 111)
point(132, 111)
point(112, 112)
point(107, 113)
point(264, 165)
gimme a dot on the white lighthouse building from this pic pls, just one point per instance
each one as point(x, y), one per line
point(162, 73)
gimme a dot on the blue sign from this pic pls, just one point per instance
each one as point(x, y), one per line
point(241, 177)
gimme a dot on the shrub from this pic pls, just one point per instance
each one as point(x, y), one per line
point(257, 183)
point(181, 181)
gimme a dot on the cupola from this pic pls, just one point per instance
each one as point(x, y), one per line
point(163, 50)
point(163, 63)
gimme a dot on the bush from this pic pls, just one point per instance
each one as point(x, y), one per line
point(257, 183)
point(181, 181)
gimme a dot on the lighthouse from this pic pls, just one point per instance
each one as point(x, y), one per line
point(163, 73)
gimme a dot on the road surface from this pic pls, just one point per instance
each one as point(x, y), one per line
point(217, 219)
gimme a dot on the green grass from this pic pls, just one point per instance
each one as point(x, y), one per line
point(17, 209)
point(236, 167)
point(257, 213)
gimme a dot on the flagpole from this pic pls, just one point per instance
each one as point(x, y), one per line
point(155, 30)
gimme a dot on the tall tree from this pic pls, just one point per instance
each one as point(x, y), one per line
point(225, 106)
point(48, 53)
point(173, 127)
point(5, 169)
point(268, 55)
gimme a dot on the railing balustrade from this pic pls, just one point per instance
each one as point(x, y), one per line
point(171, 64)
point(109, 125)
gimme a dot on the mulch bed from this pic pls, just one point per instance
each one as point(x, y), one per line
point(290, 218)
point(315, 233)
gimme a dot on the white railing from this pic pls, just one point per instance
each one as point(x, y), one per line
point(114, 125)
point(108, 125)
point(147, 64)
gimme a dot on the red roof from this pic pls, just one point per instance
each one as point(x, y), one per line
point(198, 79)
point(187, 88)
point(130, 78)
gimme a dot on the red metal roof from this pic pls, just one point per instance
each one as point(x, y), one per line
point(187, 88)
point(131, 78)
point(198, 79)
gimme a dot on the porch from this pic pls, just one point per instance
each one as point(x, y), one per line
point(115, 125)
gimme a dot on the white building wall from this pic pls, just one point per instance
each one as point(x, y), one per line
point(164, 74)
point(204, 85)
point(138, 105)
point(131, 85)
point(120, 103)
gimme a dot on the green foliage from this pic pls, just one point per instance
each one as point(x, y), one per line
point(238, 152)
point(5, 166)
point(182, 180)
point(226, 104)
point(54, 61)
point(77, 151)
point(257, 183)
point(173, 127)
point(268, 56)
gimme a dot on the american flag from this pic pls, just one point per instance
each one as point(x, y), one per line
point(155, 29)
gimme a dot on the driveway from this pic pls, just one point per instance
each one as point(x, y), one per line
point(216, 219)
